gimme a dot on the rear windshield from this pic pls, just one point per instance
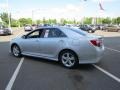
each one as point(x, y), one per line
point(79, 31)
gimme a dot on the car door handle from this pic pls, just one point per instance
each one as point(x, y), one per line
point(61, 41)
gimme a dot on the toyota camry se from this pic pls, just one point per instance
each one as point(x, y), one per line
point(70, 46)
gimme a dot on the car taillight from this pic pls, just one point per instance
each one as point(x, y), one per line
point(97, 43)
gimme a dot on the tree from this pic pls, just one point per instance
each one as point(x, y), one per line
point(99, 20)
point(63, 21)
point(87, 21)
point(114, 21)
point(118, 20)
point(106, 21)
point(24, 21)
point(54, 21)
point(14, 23)
point(74, 21)
point(4, 17)
point(44, 21)
point(39, 21)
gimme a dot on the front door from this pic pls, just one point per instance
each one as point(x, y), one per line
point(30, 44)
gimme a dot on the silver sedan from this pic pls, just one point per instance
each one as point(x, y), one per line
point(70, 46)
point(5, 31)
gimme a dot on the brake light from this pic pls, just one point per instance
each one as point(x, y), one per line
point(97, 43)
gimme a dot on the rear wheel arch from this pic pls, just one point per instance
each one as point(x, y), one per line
point(70, 63)
point(66, 50)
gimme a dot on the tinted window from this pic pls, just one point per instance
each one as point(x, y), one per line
point(42, 33)
point(34, 34)
point(56, 33)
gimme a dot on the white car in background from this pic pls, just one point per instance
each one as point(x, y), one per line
point(28, 28)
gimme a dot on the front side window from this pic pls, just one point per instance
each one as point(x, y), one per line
point(34, 34)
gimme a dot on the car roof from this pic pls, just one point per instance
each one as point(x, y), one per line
point(44, 27)
point(66, 30)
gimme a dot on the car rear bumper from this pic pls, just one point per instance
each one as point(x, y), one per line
point(94, 58)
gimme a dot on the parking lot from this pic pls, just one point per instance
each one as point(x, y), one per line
point(28, 73)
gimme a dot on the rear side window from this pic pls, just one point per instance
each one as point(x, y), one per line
point(54, 32)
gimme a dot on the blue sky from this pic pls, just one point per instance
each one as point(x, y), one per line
point(23, 8)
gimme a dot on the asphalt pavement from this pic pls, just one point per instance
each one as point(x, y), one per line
point(40, 74)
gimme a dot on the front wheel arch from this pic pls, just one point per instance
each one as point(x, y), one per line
point(14, 44)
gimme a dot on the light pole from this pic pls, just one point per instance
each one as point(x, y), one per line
point(16, 14)
point(32, 16)
point(33, 11)
point(9, 21)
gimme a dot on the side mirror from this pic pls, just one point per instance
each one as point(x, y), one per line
point(24, 36)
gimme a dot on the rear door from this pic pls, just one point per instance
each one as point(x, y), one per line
point(51, 43)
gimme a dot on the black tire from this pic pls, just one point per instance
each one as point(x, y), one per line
point(9, 33)
point(75, 61)
point(92, 31)
point(18, 54)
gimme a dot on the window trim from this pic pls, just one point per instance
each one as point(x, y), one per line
point(53, 29)
point(33, 32)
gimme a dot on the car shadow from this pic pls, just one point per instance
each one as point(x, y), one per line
point(58, 64)
point(47, 61)
point(6, 34)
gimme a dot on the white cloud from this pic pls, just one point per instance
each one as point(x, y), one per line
point(3, 5)
point(70, 11)
point(105, 14)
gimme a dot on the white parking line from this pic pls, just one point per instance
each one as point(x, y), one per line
point(12, 80)
point(112, 49)
point(107, 73)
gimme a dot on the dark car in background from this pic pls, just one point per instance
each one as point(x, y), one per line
point(87, 28)
point(5, 31)
point(34, 26)
point(102, 27)
point(112, 28)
